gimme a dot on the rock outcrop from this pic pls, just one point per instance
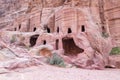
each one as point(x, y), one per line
point(77, 29)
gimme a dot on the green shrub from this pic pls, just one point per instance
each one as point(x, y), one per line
point(55, 59)
point(105, 35)
point(115, 50)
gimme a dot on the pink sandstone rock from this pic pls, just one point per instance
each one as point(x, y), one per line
point(77, 29)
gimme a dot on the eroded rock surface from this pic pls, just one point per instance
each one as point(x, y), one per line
point(77, 29)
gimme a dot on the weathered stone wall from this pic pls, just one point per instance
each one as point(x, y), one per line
point(80, 29)
point(11, 9)
point(25, 15)
point(112, 14)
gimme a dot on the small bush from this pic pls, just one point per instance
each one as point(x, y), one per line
point(105, 35)
point(27, 47)
point(115, 50)
point(55, 59)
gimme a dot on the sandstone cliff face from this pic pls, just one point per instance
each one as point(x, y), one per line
point(9, 10)
point(76, 28)
point(112, 11)
point(22, 12)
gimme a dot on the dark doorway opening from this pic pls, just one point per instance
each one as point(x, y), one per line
point(69, 30)
point(44, 42)
point(57, 44)
point(103, 29)
point(57, 29)
point(33, 40)
point(48, 30)
point(15, 29)
point(20, 26)
point(34, 29)
point(70, 47)
point(83, 28)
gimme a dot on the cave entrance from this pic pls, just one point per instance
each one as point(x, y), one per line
point(70, 47)
point(33, 40)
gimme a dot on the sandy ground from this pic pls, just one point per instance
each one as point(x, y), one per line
point(54, 73)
